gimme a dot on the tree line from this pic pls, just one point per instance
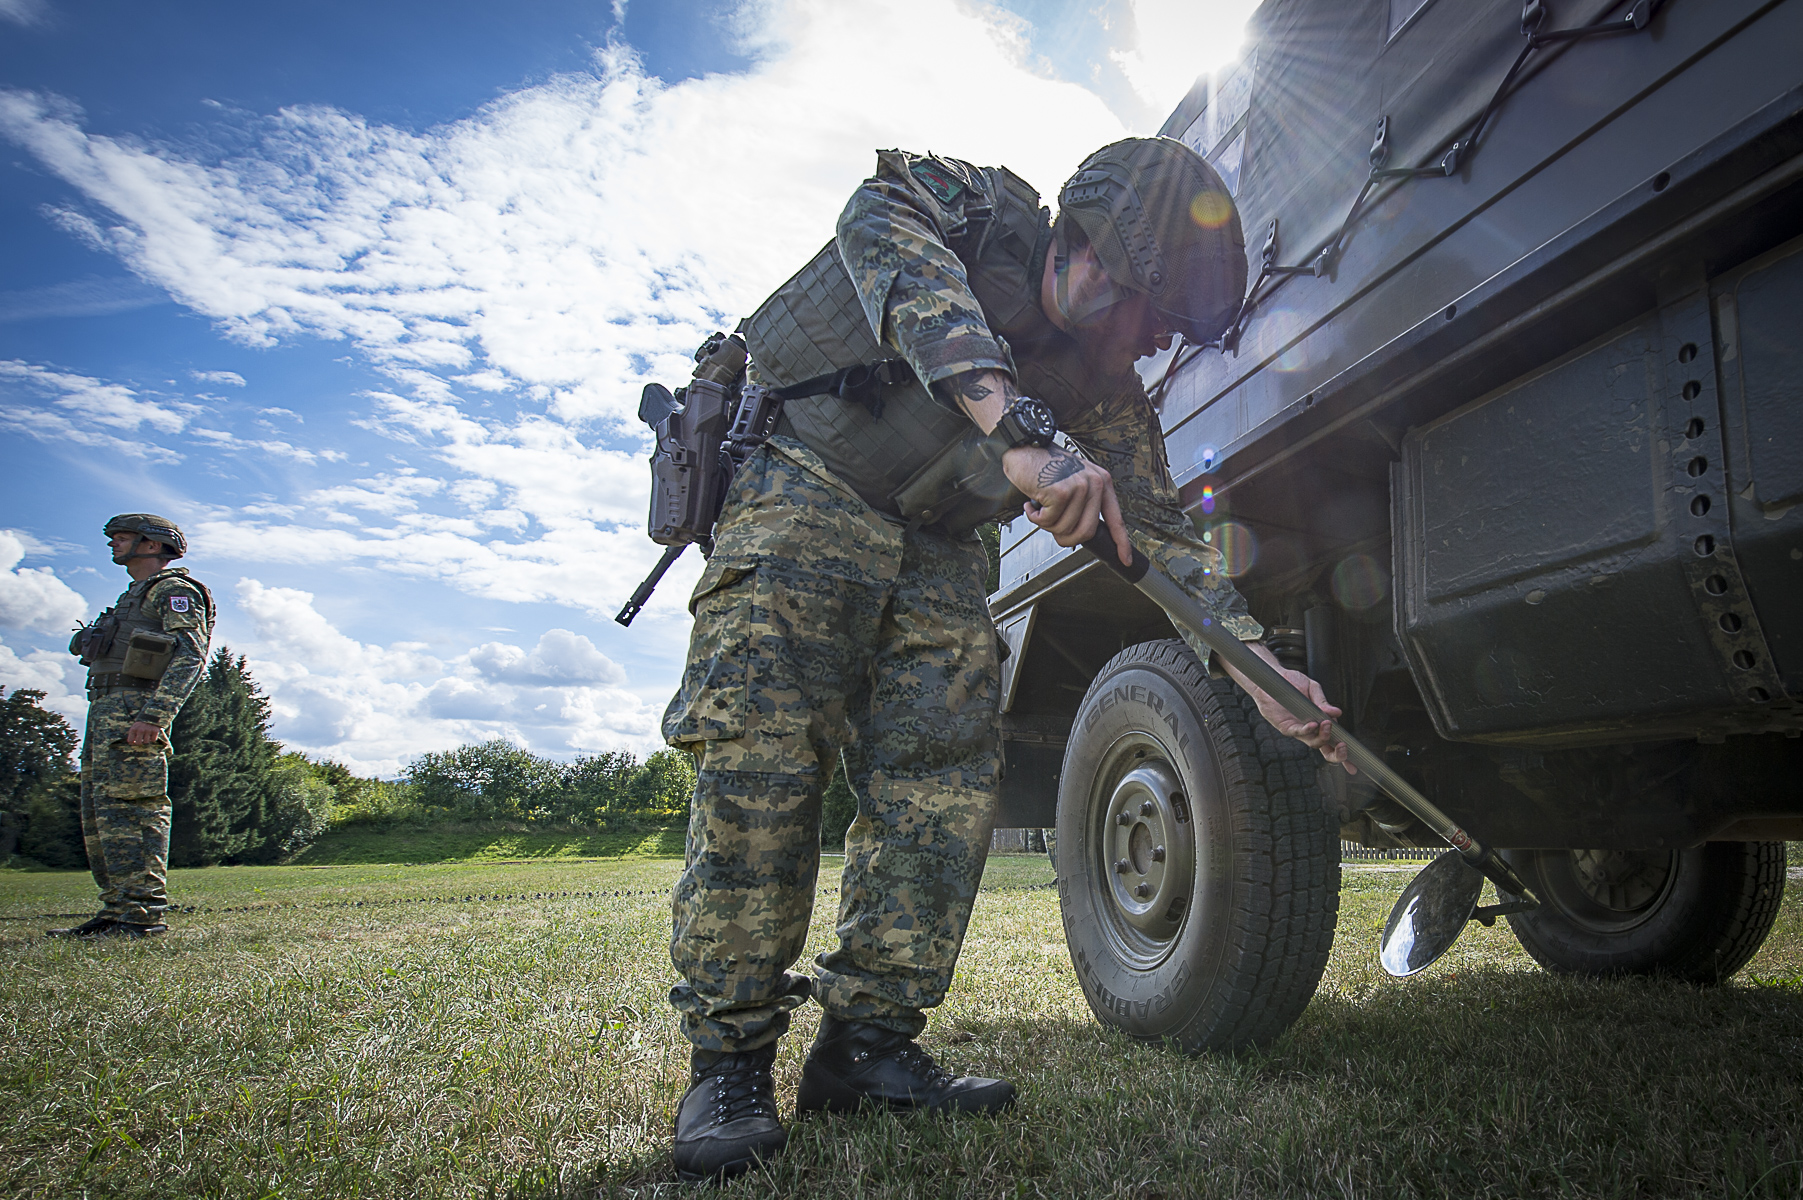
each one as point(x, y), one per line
point(239, 797)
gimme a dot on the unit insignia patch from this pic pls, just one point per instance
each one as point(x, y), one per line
point(941, 182)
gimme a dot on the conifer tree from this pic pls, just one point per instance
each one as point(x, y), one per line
point(221, 781)
point(40, 792)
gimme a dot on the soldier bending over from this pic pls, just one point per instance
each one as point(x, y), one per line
point(844, 610)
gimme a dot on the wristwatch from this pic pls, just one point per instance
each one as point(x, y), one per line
point(1027, 422)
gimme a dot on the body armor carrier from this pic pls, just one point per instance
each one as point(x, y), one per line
point(903, 451)
point(126, 645)
point(814, 325)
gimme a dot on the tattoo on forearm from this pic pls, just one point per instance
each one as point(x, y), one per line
point(1059, 467)
point(970, 390)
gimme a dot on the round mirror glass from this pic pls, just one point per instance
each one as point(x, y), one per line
point(1430, 915)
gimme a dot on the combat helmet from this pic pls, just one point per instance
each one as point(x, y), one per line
point(151, 526)
point(1160, 222)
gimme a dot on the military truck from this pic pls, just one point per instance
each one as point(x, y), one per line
point(1506, 450)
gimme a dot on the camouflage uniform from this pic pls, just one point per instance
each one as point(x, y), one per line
point(821, 625)
point(948, 316)
point(125, 788)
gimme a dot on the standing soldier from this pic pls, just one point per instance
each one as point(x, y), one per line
point(143, 656)
point(842, 607)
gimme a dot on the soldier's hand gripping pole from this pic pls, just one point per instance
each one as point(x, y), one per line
point(643, 594)
point(1188, 614)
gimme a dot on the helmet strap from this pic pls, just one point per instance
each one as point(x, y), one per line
point(136, 553)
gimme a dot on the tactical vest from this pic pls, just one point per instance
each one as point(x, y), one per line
point(815, 324)
point(105, 645)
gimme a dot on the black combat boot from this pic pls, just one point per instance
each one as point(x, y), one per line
point(94, 926)
point(727, 1119)
point(854, 1063)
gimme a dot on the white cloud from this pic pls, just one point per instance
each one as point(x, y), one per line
point(378, 707)
point(224, 439)
point(230, 378)
point(34, 598)
point(1180, 40)
point(560, 657)
point(93, 296)
point(24, 12)
point(57, 675)
point(53, 405)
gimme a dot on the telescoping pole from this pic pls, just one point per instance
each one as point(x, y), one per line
point(1188, 614)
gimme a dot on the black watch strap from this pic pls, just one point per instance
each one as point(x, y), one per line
point(1027, 422)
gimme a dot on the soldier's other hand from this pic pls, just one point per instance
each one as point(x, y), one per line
point(1315, 734)
point(143, 733)
point(1067, 495)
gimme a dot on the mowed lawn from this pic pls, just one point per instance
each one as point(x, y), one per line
point(463, 1029)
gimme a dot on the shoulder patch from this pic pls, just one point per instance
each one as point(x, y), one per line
point(938, 179)
point(181, 603)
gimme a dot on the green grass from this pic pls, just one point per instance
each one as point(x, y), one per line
point(364, 1030)
point(482, 842)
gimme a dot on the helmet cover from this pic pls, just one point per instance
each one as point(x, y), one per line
point(1161, 222)
point(150, 525)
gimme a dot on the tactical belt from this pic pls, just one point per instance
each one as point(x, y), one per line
point(114, 679)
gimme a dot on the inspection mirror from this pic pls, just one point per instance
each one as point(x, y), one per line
point(1429, 916)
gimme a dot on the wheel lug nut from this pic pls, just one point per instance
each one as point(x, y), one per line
point(1124, 818)
point(1121, 866)
point(1158, 854)
point(1145, 808)
point(1143, 890)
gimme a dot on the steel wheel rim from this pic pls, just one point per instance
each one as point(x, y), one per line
point(1145, 848)
point(1608, 891)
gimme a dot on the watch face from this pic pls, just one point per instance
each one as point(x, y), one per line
point(1036, 419)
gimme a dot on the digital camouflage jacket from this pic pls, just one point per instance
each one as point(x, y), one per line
point(947, 258)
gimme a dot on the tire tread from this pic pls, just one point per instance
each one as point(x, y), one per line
point(1286, 856)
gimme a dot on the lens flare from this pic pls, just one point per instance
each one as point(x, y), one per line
point(1208, 456)
point(1210, 210)
point(1238, 546)
point(1285, 326)
point(1360, 582)
point(1208, 497)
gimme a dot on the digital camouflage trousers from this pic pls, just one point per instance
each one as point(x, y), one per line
point(820, 627)
point(125, 809)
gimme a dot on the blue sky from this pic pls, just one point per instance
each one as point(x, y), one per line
point(363, 296)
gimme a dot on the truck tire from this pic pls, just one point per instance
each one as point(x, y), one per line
point(1199, 871)
point(1696, 915)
